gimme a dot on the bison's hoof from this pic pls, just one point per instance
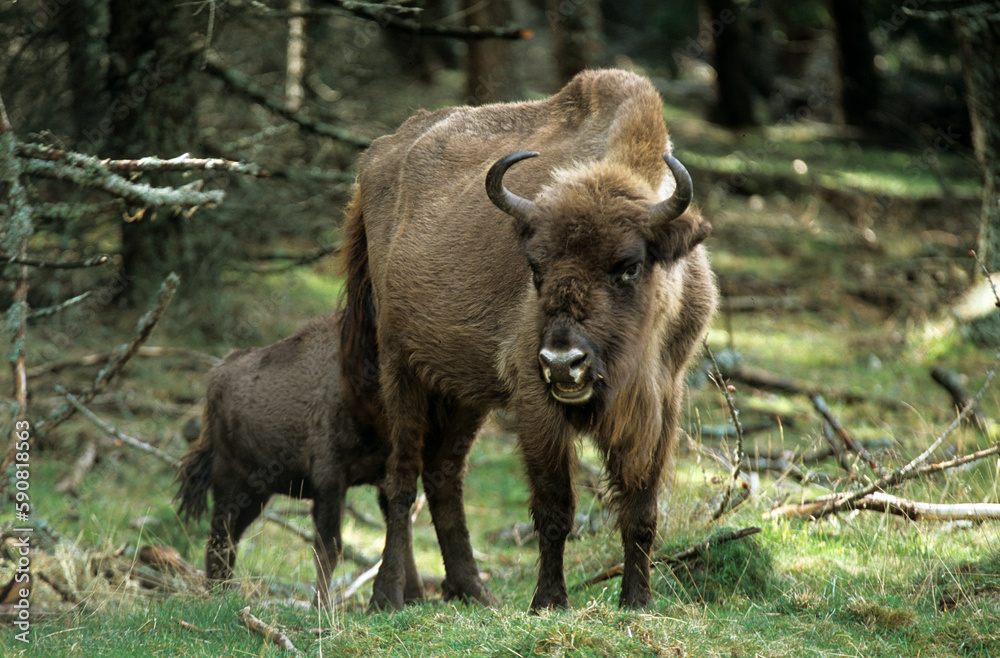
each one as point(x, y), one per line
point(474, 592)
point(550, 601)
point(390, 601)
point(636, 602)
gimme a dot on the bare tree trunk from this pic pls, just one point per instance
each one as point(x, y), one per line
point(859, 93)
point(152, 112)
point(489, 73)
point(576, 33)
point(734, 106)
point(295, 64)
point(84, 26)
point(978, 30)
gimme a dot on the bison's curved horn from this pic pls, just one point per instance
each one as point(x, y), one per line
point(517, 207)
point(672, 208)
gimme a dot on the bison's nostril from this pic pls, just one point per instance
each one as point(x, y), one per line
point(569, 365)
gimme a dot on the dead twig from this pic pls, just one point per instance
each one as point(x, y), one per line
point(61, 306)
point(115, 432)
point(269, 632)
point(143, 328)
point(88, 457)
point(914, 469)
point(54, 264)
point(244, 85)
point(960, 397)
point(854, 446)
point(737, 463)
point(348, 552)
point(183, 162)
point(98, 357)
point(674, 559)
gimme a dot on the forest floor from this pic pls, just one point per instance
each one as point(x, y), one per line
point(840, 263)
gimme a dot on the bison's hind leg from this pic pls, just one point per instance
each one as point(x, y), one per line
point(231, 514)
point(413, 584)
point(444, 470)
point(406, 410)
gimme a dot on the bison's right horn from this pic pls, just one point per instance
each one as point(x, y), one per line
point(517, 207)
point(672, 208)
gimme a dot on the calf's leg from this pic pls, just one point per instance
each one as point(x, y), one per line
point(231, 514)
point(328, 510)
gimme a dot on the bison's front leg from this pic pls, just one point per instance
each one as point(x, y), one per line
point(406, 409)
point(550, 464)
point(635, 484)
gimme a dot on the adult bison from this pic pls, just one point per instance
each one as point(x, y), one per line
point(574, 300)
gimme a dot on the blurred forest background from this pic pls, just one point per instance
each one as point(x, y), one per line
point(846, 152)
point(301, 87)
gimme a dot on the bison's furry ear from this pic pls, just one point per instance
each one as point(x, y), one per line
point(671, 241)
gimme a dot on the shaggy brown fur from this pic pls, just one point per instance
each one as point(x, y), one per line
point(275, 422)
point(580, 315)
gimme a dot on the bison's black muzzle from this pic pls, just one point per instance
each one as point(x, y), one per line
point(567, 371)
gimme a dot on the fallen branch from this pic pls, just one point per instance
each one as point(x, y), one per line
point(348, 552)
point(55, 265)
point(675, 558)
point(269, 632)
point(114, 431)
point(960, 397)
point(143, 328)
point(98, 357)
point(62, 306)
point(758, 463)
point(88, 457)
point(763, 379)
point(844, 435)
point(910, 509)
point(914, 469)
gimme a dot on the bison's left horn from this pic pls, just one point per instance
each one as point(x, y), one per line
point(672, 208)
point(517, 207)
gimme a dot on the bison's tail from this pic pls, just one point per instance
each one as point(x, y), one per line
point(195, 473)
point(358, 344)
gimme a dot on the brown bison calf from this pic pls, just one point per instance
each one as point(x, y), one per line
point(275, 422)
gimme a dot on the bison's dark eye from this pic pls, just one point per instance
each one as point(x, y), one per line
point(629, 274)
